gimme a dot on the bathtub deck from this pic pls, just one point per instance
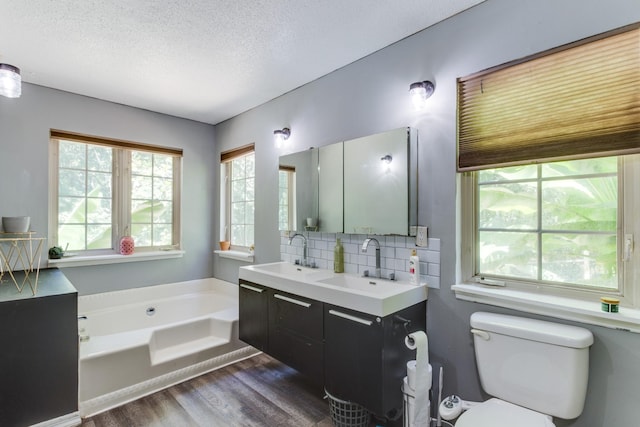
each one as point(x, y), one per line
point(255, 392)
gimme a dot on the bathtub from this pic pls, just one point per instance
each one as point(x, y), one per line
point(138, 341)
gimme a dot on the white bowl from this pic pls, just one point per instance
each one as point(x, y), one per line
point(16, 224)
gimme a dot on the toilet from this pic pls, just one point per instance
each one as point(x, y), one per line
point(535, 370)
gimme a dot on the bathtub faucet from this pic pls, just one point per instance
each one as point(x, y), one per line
point(81, 329)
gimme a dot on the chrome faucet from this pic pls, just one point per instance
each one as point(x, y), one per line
point(304, 247)
point(364, 249)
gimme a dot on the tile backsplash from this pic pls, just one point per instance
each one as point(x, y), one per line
point(394, 254)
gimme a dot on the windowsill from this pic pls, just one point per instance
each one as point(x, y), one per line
point(628, 319)
point(82, 261)
point(237, 255)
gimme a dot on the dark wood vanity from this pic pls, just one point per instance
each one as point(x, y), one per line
point(355, 356)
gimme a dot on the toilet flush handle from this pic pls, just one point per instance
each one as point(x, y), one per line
point(482, 334)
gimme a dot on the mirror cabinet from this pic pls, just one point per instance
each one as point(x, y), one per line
point(367, 185)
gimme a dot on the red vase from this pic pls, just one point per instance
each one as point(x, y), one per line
point(126, 245)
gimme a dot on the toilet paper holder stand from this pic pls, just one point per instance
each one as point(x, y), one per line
point(406, 323)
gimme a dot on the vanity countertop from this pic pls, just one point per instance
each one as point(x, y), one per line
point(51, 282)
point(370, 295)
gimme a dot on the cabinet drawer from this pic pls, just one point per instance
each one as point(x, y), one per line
point(302, 354)
point(296, 314)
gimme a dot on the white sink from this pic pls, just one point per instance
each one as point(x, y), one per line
point(285, 268)
point(362, 284)
point(366, 294)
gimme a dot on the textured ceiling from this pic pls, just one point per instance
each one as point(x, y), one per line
point(206, 60)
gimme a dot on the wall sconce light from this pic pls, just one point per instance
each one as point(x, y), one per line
point(280, 136)
point(10, 81)
point(420, 92)
point(385, 162)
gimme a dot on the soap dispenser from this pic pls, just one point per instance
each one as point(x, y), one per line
point(338, 257)
point(414, 268)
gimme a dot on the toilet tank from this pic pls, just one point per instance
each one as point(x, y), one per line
point(540, 365)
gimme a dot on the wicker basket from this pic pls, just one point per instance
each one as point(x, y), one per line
point(347, 414)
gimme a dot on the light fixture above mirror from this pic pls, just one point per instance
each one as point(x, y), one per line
point(280, 136)
point(420, 92)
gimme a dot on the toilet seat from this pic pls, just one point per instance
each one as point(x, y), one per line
point(498, 413)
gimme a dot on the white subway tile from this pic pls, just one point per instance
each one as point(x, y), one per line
point(394, 250)
point(433, 269)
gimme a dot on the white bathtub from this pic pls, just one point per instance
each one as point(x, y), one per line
point(146, 339)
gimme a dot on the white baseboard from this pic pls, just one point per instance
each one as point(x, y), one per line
point(69, 420)
point(117, 398)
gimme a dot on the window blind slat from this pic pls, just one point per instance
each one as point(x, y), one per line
point(578, 100)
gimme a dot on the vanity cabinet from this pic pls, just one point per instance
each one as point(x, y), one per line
point(355, 356)
point(39, 357)
point(253, 311)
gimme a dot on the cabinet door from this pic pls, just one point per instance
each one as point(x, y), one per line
point(354, 356)
point(253, 312)
point(39, 357)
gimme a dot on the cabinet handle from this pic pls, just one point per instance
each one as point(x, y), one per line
point(292, 301)
point(252, 288)
point(350, 317)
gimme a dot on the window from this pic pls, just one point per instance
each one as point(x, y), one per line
point(238, 196)
point(554, 225)
point(104, 189)
point(549, 179)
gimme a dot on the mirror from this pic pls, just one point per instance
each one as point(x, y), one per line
point(331, 188)
point(298, 190)
point(367, 185)
point(376, 180)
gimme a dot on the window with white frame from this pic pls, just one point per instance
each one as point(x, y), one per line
point(102, 189)
point(554, 226)
point(237, 193)
point(549, 178)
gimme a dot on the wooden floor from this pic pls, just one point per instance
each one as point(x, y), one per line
point(256, 392)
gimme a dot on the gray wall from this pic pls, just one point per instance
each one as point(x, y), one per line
point(371, 96)
point(24, 149)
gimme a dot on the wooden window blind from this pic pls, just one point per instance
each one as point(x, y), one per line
point(576, 101)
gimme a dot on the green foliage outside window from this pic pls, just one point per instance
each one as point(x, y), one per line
point(555, 222)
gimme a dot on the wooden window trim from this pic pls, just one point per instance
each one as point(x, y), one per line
point(111, 142)
point(226, 156)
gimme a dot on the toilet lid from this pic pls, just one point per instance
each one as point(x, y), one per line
point(498, 413)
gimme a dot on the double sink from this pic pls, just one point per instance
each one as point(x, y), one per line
point(370, 295)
